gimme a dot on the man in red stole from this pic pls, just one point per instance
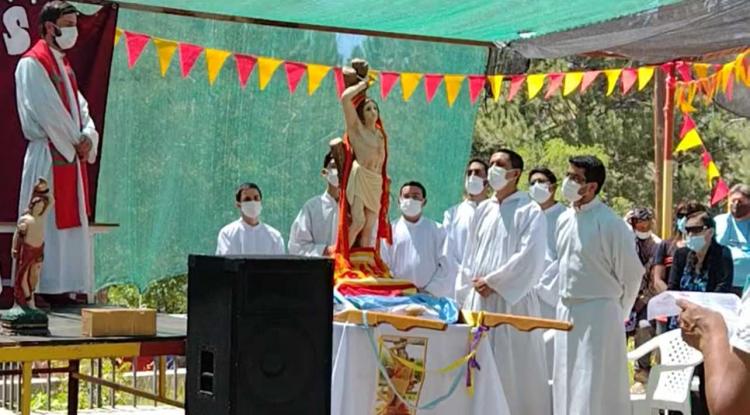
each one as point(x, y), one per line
point(62, 140)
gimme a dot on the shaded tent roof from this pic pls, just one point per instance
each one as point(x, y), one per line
point(688, 29)
point(479, 22)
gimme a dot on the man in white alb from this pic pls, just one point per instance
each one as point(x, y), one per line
point(62, 139)
point(504, 260)
point(457, 219)
point(313, 232)
point(416, 251)
point(247, 235)
point(599, 276)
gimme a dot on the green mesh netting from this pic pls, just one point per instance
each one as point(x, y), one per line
point(175, 149)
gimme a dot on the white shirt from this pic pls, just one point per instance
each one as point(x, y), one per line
point(506, 247)
point(315, 226)
point(552, 214)
point(548, 289)
point(416, 255)
point(741, 334)
point(596, 256)
point(456, 222)
point(240, 238)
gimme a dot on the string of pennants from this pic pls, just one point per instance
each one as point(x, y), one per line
point(566, 82)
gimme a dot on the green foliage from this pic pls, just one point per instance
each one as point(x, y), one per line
point(166, 296)
point(617, 129)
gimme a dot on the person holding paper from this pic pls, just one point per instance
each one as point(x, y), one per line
point(726, 355)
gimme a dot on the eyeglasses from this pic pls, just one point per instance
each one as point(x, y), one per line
point(694, 230)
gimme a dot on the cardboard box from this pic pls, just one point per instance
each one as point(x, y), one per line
point(101, 322)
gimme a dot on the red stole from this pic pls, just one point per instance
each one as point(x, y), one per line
point(64, 173)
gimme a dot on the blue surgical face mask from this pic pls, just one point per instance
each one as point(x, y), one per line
point(695, 242)
point(681, 223)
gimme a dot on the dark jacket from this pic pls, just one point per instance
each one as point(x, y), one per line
point(720, 268)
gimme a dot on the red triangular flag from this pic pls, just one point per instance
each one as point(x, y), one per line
point(684, 70)
point(588, 78)
point(730, 87)
point(387, 80)
point(294, 72)
point(134, 44)
point(628, 77)
point(431, 83)
point(245, 65)
point(476, 85)
point(687, 125)
point(554, 81)
point(720, 191)
point(338, 75)
point(667, 67)
point(188, 55)
point(706, 158)
point(515, 85)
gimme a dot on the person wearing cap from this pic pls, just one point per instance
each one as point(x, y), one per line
point(247, 235)
point(62, 140)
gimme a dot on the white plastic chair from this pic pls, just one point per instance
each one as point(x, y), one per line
point(670, 381)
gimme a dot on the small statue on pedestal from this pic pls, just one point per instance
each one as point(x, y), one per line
point(28, 253)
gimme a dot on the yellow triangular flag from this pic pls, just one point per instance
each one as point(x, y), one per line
point(612, 76)
point(315, 74)
point(739, 68)
point(725, 72)
point(701, 69)
point(165, 49)
point(534, 84)
point(571, 82)
point(496, 84)
point(215, 59)
point(691, 140)
point(409, 82)
point(118, 35)
point(453, 87)
point(645, 73)
point(266, 68)
point(712, 172)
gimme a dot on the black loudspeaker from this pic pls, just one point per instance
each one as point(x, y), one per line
point(259, 335)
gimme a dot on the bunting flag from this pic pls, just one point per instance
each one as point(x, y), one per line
point(515, 85)
point(338, 76)
point(712, 172)
point(135, 43)
point(266, 69)
point(431, 84)
point(496, 85)
point(701, 69)
point(188, 55)
point(215, 59)
point(645, 74)
point(588, 79)
point(294, 72)
point(683, 69)
point(245, 66)
point(534, 84)
point(453, 87)
point(612, 75)
point(476, 85)
point(315, 75)
point(118, 35)
point(629, 76)
point(690, 141)
point(387, 81)
point(687, 125)
point(165, 49)
point(555, 81)
point(572, 82)
point(409, 82)
point(721, 191)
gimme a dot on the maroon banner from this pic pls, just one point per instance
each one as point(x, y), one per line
point(90, 58)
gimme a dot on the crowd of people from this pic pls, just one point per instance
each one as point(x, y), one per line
point(523, 252)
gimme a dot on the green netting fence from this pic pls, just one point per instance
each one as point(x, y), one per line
point(175, 149)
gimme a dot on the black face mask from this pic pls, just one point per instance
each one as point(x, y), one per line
point(740, 210)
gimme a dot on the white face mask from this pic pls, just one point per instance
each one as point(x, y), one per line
point(642, 235)
point(474, 185)
point(540, 192)
point(67, 38)
point(251, 209)
point(570, 190)
point(496, 177)
point(410, 207)
point(333, 177)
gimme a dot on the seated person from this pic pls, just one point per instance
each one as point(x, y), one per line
point(314, 230)
point(246, 235)
point(416, 252)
